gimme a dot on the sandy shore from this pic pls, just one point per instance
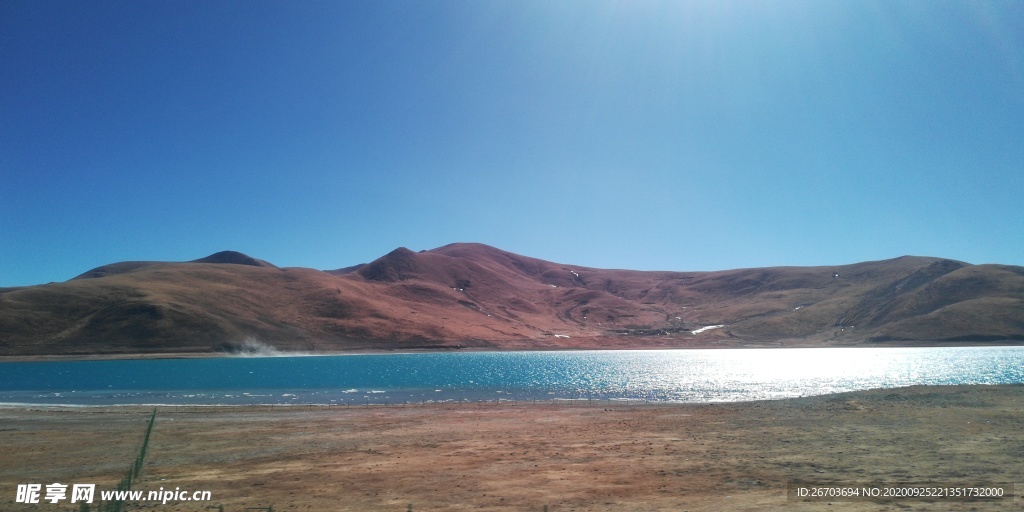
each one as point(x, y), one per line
point(521, 457)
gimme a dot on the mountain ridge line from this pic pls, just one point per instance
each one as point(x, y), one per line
point(474, 296)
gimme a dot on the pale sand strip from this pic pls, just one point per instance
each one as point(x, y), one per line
point(521, 457)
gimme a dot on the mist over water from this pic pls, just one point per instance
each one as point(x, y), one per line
point(252, 347)
point(655, 375)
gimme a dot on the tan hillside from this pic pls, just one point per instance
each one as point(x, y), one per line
point(473, 295)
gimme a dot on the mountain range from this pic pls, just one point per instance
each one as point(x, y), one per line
point(476, 296)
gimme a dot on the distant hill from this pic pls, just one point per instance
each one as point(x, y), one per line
point(476, 296)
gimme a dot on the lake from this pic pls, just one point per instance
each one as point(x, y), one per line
point(654, 375)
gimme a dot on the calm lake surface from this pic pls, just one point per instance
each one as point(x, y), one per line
point(656, 375)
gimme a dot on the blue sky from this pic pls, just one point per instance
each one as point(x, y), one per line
point(615, 134)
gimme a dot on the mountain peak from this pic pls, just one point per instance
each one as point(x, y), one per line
point(233, 258)
point(393, 266)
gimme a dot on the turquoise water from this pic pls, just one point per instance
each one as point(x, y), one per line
point(656, 375)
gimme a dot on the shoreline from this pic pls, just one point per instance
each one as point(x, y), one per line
point(398, 350)
point(498, 404)
point(482, 456)
point(550, 403)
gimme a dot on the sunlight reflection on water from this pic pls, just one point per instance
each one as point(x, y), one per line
point(658, 375)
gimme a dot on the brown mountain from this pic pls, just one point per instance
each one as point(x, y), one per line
point(472, 295)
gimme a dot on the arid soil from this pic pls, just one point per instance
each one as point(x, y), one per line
point(521, 457)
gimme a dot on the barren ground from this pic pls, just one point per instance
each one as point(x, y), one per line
point(520, 457)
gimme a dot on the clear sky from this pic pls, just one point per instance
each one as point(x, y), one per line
point(616, 134)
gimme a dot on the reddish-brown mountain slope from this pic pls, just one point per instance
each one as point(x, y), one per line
point(472, 295)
